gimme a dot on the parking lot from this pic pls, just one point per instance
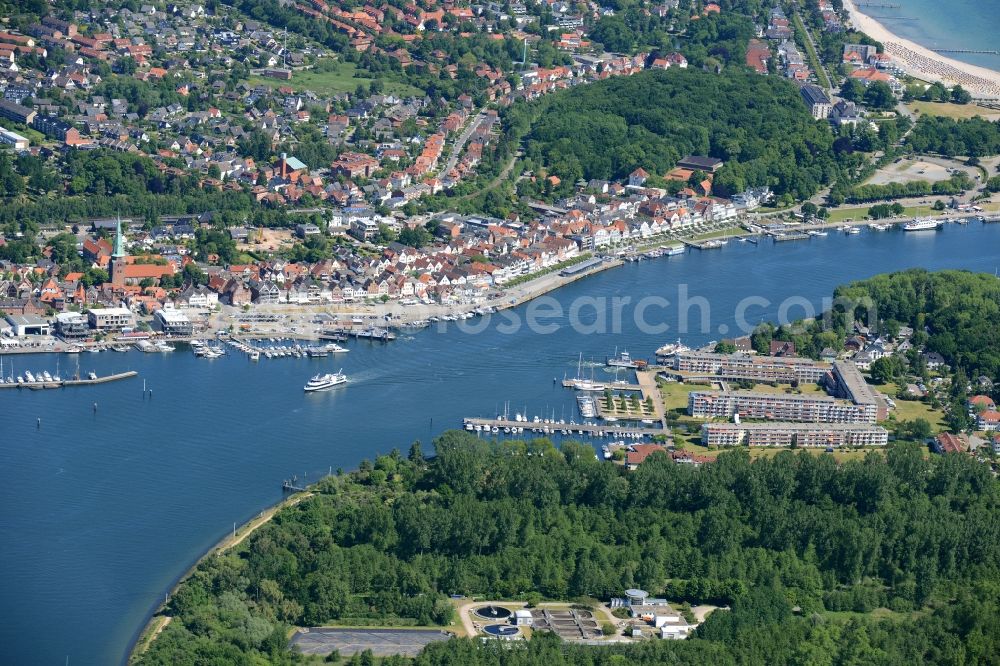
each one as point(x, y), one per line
point(382, 642)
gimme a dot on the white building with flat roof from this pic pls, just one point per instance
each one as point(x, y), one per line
point(172, 322)
point(14, 139)
point(110, 319)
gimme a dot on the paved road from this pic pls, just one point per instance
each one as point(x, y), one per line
point(463, 138)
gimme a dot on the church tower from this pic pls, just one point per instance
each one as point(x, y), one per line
point(118, 258)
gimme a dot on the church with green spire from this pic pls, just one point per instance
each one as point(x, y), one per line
point(118, 258)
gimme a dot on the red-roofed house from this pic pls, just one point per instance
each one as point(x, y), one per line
point(949, 443)
point(989, 420)
point(638, 453)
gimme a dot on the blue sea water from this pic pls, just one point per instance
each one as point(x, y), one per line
point(948, 24)
point(100, 512)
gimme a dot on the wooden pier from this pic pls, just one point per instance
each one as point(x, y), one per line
point(571, 384)
point(36, 386)
point(980, 51)
point(600, 430)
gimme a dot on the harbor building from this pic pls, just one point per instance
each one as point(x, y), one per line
point(110, 319)
point(771, 369)
point(28, 324)
point(827, 435)
point(777, 407)
point(72, 326)
point(172, 322)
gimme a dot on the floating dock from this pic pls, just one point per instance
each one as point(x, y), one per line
point(601, 430)
point(69, 382)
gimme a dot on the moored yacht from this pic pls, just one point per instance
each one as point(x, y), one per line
point(921, 225)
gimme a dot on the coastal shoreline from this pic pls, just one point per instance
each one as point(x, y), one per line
point(154, 625)
point(922, 63)
point(514, 297)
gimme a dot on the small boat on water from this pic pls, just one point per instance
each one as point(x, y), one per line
point(851, 231)
point(334, 348)
point(625, 360)
point(922, 225)
point(325, 382)
point(816, 232)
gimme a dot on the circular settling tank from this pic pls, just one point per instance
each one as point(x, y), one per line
point(493, 613)
point(501, 630)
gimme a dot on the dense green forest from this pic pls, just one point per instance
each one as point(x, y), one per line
point(799, 546)
point(972, 137)
point(959, 310)
point(758, 125)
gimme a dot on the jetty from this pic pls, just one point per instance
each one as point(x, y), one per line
point(779, 238)
point(62, 383)
point(600, 386)
point(600, 430)
point(980, 51)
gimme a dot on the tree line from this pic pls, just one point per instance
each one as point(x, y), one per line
point(784, 541)
point(757, 125)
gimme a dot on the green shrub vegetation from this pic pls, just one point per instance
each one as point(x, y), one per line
point(915, 188)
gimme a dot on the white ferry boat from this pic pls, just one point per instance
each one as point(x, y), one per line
point(921, 225)
point(672, 349)
point(325, 382)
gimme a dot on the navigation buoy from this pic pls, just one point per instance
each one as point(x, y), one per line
point(39, 421)
point(95, 407)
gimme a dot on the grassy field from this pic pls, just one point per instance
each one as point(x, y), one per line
point(838, 215)
point(910, 410)
point(692, 444)
point(343, 79)
point(728, 231)
point(803, 389)
point(956, 111)
point(675, 394)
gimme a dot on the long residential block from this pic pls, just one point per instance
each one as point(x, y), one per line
point(776, 369)
point(825, 435)
point(777, 407)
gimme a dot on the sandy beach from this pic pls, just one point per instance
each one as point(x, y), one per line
point(922, 63)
